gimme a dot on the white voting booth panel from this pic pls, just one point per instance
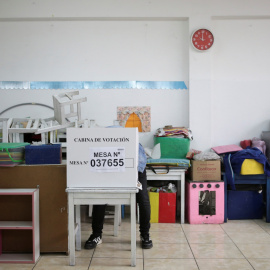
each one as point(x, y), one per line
point(101, 169)
point(102, 157)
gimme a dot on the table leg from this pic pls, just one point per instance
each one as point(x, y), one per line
point(0, 242)
point(78, 238)
point(183, 197)
point(133, 228)
point(116, 219)
point(267, 199)
point(71, 238)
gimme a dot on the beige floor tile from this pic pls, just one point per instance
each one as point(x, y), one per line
point(171, 251)
point(265, 226)
point(170, 264)
point(85, 235)
point(108, 237)
point(61, 263)
point(124, 226)
point(116, 250)
point(258, 251)
point(247, 237)
point(86, 227)
point(161, 237)
point(122, 237)
point(260, 264)
point(165, 227)
point(109, 225)
point(222, 251)
point(114, 264)
point(217, 237)
point(241, 226)
point(202, 227)
point(223, 264)
point(84, 253)
point(237, 244)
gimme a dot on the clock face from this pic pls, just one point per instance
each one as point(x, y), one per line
point(202, 39)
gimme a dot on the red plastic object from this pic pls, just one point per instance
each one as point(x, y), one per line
point(167, 207)
point(244, 144)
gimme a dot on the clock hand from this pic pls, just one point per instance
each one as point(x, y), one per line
point(202, 37)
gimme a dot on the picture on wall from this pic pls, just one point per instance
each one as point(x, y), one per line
point(135, 117)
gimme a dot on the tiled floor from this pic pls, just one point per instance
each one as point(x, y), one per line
point(238, 244)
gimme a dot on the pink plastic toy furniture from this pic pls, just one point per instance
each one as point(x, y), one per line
point(205, 202)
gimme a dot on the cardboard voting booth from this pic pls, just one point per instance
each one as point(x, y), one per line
point(102, 157)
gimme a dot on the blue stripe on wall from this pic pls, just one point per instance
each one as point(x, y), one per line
point(93, 85)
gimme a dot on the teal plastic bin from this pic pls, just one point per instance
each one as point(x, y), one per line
point(173, 147)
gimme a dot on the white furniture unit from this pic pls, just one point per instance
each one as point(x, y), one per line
point(32, 225)
point(85, 196)
point(172, 175)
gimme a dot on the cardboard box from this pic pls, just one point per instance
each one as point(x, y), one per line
point(205, 170)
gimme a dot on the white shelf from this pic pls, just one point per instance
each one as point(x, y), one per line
point(22, 225)
point(10, 225)
point(16, 257)
point(17, 191)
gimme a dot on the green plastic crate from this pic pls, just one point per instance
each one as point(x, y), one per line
point(173, 147)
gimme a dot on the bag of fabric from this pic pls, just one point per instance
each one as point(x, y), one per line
point(233, 163)
point(256, 142)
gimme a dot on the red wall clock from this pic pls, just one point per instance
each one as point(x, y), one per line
point(202, 39)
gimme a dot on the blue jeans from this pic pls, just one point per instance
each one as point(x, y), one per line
point(144, 208)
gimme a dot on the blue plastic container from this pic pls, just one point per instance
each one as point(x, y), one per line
point(245, 205)
point(43, 154)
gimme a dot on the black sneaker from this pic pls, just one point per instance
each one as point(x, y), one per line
point(146, 241)
point(93, 241)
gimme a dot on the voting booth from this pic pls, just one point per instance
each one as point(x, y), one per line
point(101, 169)
point(102, 157)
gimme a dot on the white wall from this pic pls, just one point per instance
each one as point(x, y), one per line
point(83, 50)
point(227, 99)
point(240, 96)
point(114, 50)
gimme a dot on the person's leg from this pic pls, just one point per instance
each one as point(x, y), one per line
point(144, 209)
point(98, 215)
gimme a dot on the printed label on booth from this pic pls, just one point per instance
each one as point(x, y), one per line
point(107, 159)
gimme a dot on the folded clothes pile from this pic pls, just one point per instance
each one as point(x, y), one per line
point(170, 131)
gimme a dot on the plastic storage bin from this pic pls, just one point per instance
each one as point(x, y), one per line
point(172, 147)
point(11, 154)
point(43, 154)
point(245, 204)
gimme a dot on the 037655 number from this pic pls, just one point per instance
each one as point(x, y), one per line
point(107, 162)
